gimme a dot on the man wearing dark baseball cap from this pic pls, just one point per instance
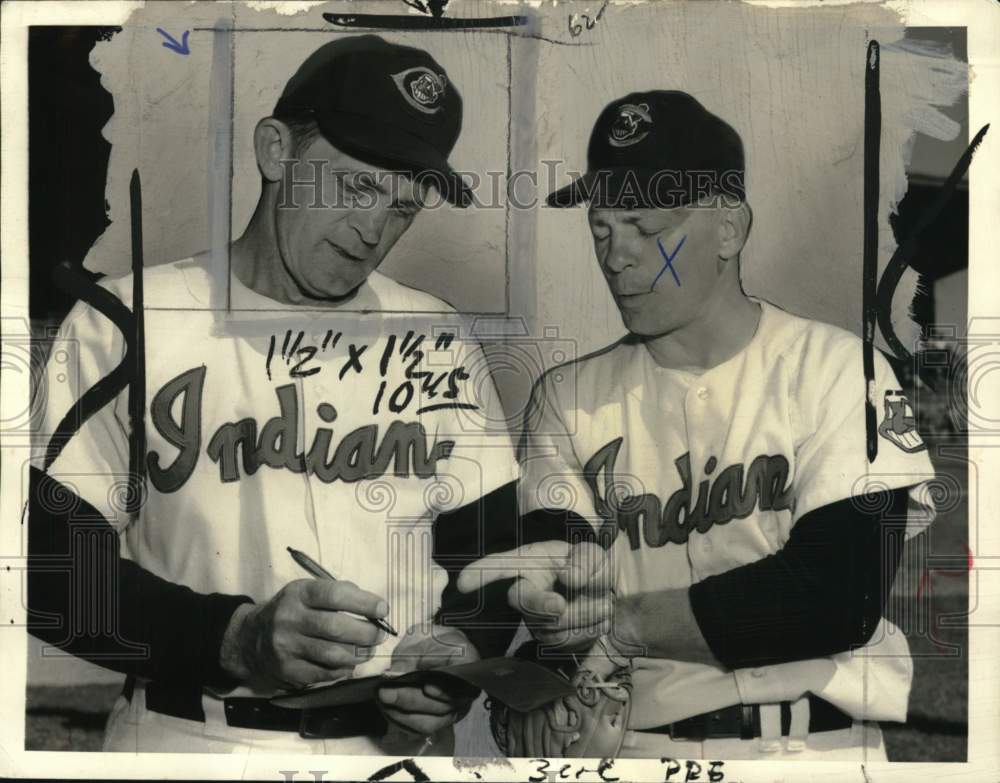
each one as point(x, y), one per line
point(381, 120)
point(329, 397)
point(743, 430)
point(662, 170)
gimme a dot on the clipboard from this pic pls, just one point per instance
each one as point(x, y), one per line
point(521, 685)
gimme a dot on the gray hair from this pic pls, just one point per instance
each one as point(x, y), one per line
point(304, 129)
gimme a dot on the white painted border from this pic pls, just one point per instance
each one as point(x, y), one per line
point(981, 17)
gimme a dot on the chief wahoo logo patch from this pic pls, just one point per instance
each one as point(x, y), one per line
point(422, 88)
point(899, 425)
point(627, 129)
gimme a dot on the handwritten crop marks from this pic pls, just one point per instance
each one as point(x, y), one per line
point(443, 386)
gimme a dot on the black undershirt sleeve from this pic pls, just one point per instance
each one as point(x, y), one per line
point(488, 525)
point(87, 600)
point(822, 593)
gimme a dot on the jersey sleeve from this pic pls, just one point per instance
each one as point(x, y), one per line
point(552, 476)
point(828, 411)
point(94, 460)
point(471, 427)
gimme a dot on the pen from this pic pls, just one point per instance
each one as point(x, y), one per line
point(316, 570)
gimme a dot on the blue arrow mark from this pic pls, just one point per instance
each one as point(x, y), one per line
point(668, 261)
point(171, 42)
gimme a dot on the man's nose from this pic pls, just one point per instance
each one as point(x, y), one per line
point(621, 254)
point(369, 222)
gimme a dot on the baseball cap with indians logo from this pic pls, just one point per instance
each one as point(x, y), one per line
point(657, 149)
point(385, 104)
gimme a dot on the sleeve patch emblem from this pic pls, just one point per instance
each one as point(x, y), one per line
point(899, 424)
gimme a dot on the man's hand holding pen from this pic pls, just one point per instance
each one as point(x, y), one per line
point(306, 633)
point(317, 630)
point(312, 567)
point(312, 630)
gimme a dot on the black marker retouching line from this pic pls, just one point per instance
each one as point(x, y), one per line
point(908, 249)
point(873, 131)
point(137, 384)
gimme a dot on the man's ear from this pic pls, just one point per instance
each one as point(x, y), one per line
point(272, 143)
point(734, 228)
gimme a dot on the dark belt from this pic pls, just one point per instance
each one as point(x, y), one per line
point(743, 721)
point(248, 712)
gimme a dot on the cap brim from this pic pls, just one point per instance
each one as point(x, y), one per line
point(395, 149)
point(624, 188)
point(574, 193)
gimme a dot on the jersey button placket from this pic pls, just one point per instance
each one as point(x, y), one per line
point(697, 550)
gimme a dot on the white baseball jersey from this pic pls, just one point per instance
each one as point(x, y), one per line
point(341, 434)
point(718, 468)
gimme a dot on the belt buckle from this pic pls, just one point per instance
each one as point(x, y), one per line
point(340, 722)
point(308, 728)
point(719, 724)
point(724, 724)
point(687, 730)
point(321, 724)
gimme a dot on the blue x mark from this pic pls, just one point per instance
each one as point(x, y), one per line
point(668, 261)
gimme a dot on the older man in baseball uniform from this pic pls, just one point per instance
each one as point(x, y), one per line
point(719, 452)
point(321, 413)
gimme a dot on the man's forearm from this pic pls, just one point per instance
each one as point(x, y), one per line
point(821, 594)
point(158, 630)
point(488, 525)
point(231, 658)
point(660, 625)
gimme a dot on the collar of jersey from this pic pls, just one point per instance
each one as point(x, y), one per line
point(690, 375)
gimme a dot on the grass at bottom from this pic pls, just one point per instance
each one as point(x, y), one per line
point(936, 728)
point(67, 717)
